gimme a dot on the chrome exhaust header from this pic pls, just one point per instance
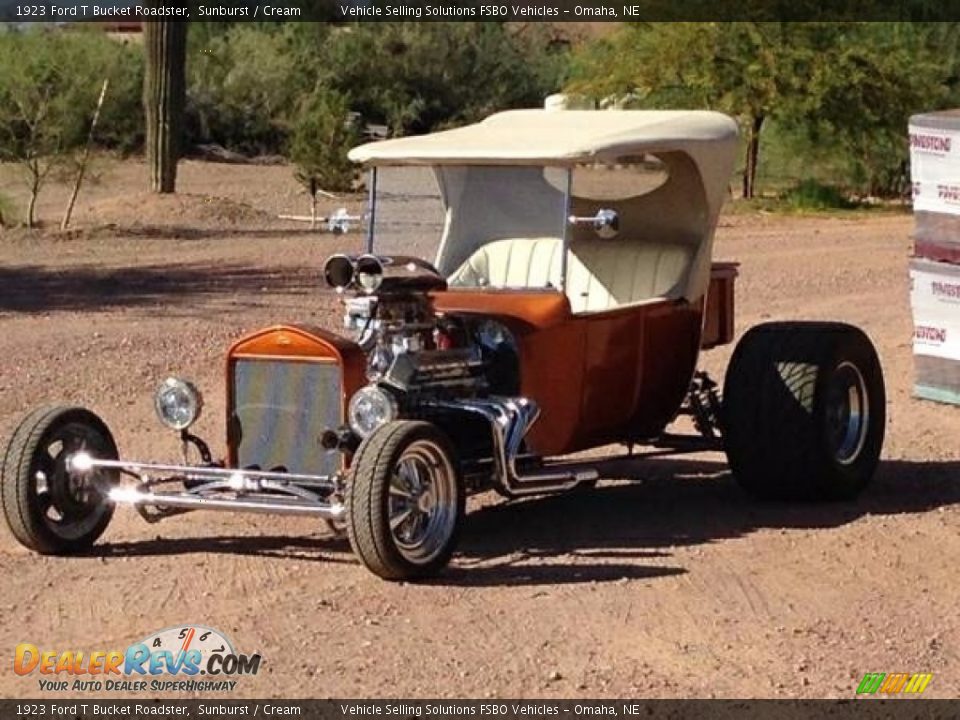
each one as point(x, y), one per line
point(510, 420)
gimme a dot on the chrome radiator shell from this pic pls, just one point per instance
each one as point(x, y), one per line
point(281, 407)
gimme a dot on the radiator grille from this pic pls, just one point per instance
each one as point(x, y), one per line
point(280, 410)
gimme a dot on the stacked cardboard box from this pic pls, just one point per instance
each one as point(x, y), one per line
point(935, 267)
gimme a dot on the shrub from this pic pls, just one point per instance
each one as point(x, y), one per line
point(323, 132)
point(242, 89)
point(6, 211)
point(246, 83)
point(49, 84)
point(416, 77)
point(815, 195)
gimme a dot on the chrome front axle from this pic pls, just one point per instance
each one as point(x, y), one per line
point(215, 488)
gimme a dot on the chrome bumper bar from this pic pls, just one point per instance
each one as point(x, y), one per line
point(216, 488)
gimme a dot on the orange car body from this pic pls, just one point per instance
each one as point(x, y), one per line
point(592, 387)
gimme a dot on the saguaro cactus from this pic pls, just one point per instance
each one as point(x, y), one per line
point(163, 99)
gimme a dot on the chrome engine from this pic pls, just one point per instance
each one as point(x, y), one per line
point(416, 352)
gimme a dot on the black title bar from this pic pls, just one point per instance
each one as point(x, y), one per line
point(131, 11)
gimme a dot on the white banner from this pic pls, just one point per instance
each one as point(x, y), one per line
point(935, 286)
point(935, 299)
point(935, 169)
point(936, 334)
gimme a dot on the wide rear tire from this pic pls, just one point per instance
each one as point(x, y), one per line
point(804, 410)
point(405, 501)
point(47, 508)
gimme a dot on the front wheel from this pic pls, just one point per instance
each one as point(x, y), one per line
point(48, 508)
point(804, 411)
point(405, 501)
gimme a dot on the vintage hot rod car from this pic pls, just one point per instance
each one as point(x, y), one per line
point(560, 313)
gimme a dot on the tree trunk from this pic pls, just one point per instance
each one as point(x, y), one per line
point(753, 155)
point(164, 93)
point(35, 183)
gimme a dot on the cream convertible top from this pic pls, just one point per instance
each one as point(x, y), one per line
point(697, 147)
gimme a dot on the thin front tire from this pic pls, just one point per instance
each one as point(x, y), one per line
point(49, 508)
point(405, 501)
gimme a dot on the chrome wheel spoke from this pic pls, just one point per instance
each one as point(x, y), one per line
point(398, 492)
point(396, 521)
point(421, 497)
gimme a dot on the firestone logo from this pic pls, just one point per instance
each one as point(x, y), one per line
point(929, 333)
point(943, 289)
point(950, 193)
point(930, 143)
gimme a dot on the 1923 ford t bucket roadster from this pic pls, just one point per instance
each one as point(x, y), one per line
point(554, 318)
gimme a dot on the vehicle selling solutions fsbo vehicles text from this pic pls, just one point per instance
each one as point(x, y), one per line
point(434, 11)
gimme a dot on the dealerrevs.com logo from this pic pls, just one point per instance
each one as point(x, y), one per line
point(184, 658)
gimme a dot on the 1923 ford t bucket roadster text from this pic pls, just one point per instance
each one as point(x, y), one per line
point(552, 319)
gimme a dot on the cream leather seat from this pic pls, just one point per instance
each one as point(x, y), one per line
point(601, 275)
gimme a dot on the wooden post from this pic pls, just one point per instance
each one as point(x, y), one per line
point(86, 157)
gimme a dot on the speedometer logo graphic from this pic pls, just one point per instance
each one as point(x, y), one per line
point(179, 640)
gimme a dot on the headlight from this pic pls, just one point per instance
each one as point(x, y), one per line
point(178, 403)
point(371, 407)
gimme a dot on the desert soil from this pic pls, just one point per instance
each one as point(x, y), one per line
point(668, 582)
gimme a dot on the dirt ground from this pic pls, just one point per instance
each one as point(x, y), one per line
point(668, 582)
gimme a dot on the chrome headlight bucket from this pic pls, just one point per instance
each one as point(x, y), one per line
point(370, 407)
point(178, 403)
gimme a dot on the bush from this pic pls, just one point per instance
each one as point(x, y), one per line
point(49, 84)
point(323, 133)
point(242, 89)
point(6, 211)
point(815, 195)
point(417, 77)
point(246, 83)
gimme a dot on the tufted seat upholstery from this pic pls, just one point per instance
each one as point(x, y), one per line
point(601, 275)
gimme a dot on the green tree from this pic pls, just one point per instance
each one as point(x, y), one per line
point(49, 83)
point(243, 87)
point(417, 77)
point(745, 69)
point(860, 95)
point(848, 87)
point(323, 132)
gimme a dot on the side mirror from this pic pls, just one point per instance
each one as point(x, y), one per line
point(606, 223)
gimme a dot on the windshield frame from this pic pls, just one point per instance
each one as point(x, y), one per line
point(556, 218)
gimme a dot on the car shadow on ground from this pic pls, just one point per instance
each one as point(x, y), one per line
point(312, 549)
point(667, 503)
point(617, 531)
point(34, 288)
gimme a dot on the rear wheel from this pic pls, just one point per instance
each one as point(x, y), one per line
point(48, 508)
point(804, 411)
point(405, 501)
